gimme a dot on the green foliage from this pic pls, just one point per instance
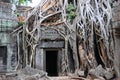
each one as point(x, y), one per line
point(70, 7)
point(20, 23)
point(71, 15)
point(18, 14)
point(19, 2)
point(23, 1)
point(70, 10)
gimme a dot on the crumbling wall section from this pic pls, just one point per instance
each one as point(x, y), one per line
point(8, 22)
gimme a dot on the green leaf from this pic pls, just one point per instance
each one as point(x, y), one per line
point(70, 7)
point(22, 1)
point(70, 10)
point(20, 23)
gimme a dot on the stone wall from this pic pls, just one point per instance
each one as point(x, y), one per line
point(116, 29)
point(8, 22)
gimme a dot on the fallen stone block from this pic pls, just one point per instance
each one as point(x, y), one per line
point(99, 71)
point(109, 74)
point(81, 73)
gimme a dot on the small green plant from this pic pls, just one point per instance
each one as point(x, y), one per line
point(20, 19)
point(20, 2)
point(20, 23)
point(70, 10)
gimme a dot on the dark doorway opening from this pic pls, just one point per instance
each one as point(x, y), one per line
point(3, 58)
point(51, 63)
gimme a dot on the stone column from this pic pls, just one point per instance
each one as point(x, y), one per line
point(39, 59)
point(9, 55)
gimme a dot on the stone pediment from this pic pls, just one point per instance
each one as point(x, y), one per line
point(51, 33)
point(52, 44)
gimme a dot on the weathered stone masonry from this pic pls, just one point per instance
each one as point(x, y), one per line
point(116, 28)
point(8, 46)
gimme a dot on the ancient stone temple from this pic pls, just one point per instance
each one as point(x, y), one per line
point(8, 45)
point(41, 45)
point(50, 37)
point(62, 38)
point(50, 52)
